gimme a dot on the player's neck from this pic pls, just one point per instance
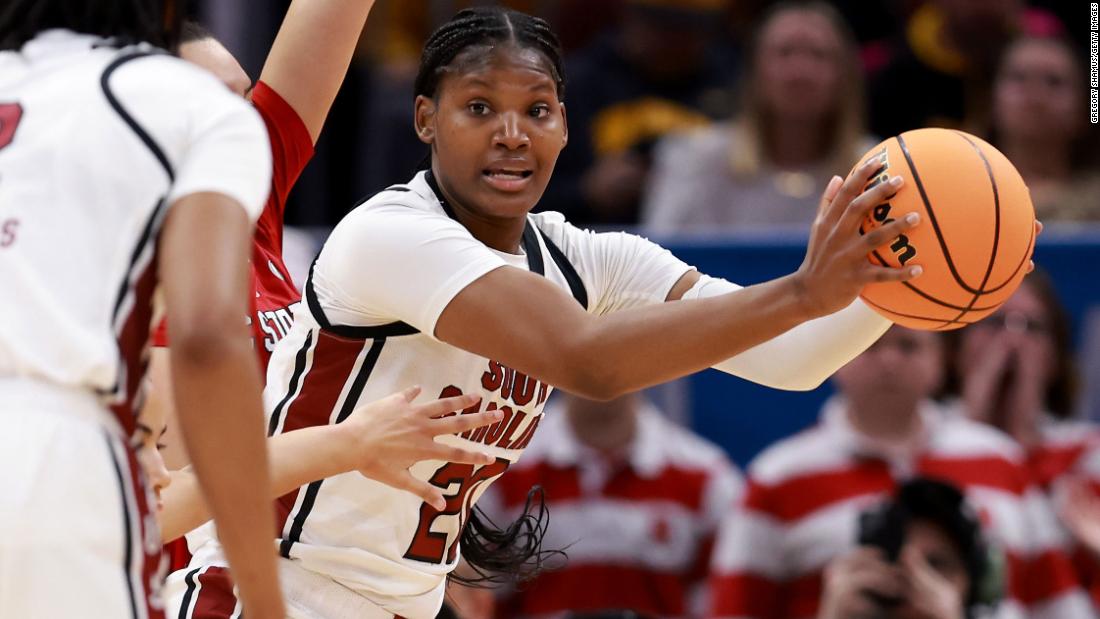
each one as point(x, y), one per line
point(500, 233)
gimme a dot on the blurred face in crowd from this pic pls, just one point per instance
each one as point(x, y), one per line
point(901, 368)
point(214, 57)
point(798, 66)
point(942, 556)
point(1024, 321)
point(1038, 94)
point(981, 16)
point(607, 426)
point(666, 48)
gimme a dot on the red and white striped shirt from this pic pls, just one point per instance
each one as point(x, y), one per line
point(805, 495)
point(638, 532)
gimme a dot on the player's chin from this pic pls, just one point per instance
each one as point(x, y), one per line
point(513, 201)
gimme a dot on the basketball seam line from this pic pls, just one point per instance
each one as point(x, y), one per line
point(996, 225)
point(932, 217)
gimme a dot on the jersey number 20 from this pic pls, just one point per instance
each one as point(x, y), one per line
point(431, 546)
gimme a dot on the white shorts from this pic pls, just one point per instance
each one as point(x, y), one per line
point(78, 539)
point(207, 592)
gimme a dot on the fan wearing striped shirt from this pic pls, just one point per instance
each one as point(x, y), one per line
point(805, 495)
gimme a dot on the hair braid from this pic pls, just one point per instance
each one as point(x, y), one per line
point(485, 26)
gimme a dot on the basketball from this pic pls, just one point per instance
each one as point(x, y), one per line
point(976, 235)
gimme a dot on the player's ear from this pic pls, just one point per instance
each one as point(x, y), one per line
point(564, 126)
point(424, 118)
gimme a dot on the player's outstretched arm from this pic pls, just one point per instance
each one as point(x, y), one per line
point(381, 440)
point(311, 54)
point(216, 384)
point(543, 332)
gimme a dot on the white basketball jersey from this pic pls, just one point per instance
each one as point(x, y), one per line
point(365, 331)
point(96, 143)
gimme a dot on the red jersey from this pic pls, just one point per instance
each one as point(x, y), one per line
point(274, 294)
point(273, 289)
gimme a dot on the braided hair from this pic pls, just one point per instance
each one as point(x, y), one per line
point(485, 26)
point(125, 22)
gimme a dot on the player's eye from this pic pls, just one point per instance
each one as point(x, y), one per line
point(478, 108)
point(539, 111)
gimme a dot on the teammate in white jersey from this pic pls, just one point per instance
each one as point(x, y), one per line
point(451, 283)
point(121, 168)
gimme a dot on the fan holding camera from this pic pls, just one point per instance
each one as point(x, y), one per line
point(921, 555)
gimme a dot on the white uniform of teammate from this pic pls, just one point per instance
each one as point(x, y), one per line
point(387, 272)
point(96, 143)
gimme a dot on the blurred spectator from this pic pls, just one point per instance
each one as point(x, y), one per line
point(801, 122)
point(942, 70)
point(634, 501)
point(1015, 371)
point(1040, 122)
point(921, 555)
point(664, 69)
point(805, 493)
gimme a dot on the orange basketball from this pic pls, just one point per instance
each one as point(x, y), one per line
point(976, 234)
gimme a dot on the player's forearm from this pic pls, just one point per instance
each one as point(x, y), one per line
point(803, 357)
point(296, 458)
point(217, 389)
point(641, 347)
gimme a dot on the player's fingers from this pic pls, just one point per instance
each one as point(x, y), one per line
point(829, 194)
point(1038, 227)
point(447, 405)
point(888, 232)
point(447, 453)
point(411, 393)
point(1030, 266)
point(850, 188)
point(859, 208)
point(873, 273)
point(461, 423)
point(428, 493)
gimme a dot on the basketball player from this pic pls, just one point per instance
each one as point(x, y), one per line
point(303, 72)
point(121, 168)
point(449, 282)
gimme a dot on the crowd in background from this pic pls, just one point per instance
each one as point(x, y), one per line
point(716, 117)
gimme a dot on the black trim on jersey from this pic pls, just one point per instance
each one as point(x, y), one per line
point(429, 176)
point(350, 400)
point(533, 250)
point(393, 329)
point(576, 285)
point(148, 140)
point(150, 230)
point(127, 533)
point(299, 368)
point(189, 580)
point(300, 518)
point(356, 391)
point(530, 240)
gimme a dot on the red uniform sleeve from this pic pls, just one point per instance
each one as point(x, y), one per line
point(160, 334)
point(291, 150)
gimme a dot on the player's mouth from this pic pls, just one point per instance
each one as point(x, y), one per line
point(507, 178)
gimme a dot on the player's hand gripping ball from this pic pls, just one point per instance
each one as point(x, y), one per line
point(976, 235)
